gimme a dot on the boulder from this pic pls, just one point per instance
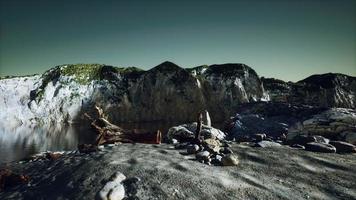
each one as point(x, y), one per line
point(320, 147)
point(268, 144)
point(230, 160)
point(186, 132)
point(343, 147)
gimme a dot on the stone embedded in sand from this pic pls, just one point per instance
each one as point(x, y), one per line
point(230, 160)
point(191, 149)
point(343, 147)
point(320, 147)
point(114, 189)
point(266, 143)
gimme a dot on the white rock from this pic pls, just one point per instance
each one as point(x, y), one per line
point(114, 189)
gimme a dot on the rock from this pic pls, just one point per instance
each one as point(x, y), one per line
point(321, 139)
point(343, 147)
point(248, 125)
point(297, 146)
point(202, 156)
point(259, 137)
point(230, 160)
point(322, 90)
point(226, 150)
point(114, 189)
point(186, 132)
point(181, 145)
point(211, 145)
point(174, 141)
point(320, 147)
point(268, 144)
point(191, 149)
point(302, 140)
point(348, 136)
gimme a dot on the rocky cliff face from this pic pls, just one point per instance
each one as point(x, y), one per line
point(166, 92)
point(325, 90)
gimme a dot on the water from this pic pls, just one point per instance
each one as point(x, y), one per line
point(23, 142)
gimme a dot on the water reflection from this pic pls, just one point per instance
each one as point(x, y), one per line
point(22, 142)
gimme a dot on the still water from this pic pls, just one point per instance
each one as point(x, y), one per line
point(23, 142)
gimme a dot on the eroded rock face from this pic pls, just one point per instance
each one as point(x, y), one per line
point(325, 90)
point(166, 92)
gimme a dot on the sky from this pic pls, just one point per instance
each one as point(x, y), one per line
point(284, 39)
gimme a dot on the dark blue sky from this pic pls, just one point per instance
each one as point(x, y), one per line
point(286, 39)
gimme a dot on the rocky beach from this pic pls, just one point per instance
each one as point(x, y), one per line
point(275, 139)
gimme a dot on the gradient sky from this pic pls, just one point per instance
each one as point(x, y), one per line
point(285, 39)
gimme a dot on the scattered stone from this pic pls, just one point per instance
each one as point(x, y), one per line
point(114, 189)
point(191, 149)
point(343, 147)
point(320, 147)
point(297, 146)
point(203, 156)
point(230, 160)
point(266, 143)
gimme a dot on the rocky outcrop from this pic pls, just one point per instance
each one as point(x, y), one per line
point(166, 92)
point(325, 90)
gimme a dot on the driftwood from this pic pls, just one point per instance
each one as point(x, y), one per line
point(199, 127)
point(109, 133)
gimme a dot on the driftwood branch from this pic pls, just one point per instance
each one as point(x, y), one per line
point(111, 133)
